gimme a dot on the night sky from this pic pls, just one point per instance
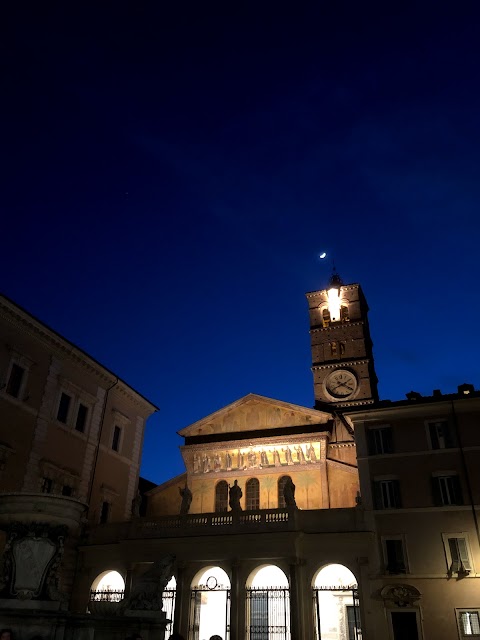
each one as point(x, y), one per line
point(170, 175)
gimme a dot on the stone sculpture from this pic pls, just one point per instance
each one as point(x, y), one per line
point(186, 500)
point(289, 494)
point(147, 591)
point(235, 496)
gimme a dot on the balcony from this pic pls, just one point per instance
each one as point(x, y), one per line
point(243, 522)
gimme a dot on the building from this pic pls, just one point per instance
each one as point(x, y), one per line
point(71, 436)
point(379, 540)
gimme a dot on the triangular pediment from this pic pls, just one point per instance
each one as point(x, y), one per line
point(255, 413)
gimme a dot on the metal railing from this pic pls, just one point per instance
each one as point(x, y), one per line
point(268, 613)
point(106, 596)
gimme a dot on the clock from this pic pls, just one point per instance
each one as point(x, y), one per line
point(341, 383)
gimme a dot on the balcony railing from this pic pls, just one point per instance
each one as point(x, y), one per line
point(243, 522)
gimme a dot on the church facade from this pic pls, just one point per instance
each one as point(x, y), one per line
point(379, 539)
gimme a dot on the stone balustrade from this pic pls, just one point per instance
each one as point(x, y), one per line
point(243, 522)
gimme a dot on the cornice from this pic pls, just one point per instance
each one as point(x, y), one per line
point(255, 442)
point(337, 325)
point(354, 403)
point(340, 364)
point(26, 323)
point(344, 287)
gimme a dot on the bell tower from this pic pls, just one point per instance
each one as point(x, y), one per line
point(342, 349)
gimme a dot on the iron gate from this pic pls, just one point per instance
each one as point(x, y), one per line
point(268, 613)
point(169, 608)
point(349, 612)
point(199, 597)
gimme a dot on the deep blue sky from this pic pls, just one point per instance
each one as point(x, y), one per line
point(171, 175)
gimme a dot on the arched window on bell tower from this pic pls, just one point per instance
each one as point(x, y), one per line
point(326, 317)
point(221, 497)
point(344, 317)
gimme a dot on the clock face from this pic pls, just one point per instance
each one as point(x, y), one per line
point(341, 383)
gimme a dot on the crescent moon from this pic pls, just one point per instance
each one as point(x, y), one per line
point(323, 255)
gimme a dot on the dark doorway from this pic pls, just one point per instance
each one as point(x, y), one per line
point(404, 624)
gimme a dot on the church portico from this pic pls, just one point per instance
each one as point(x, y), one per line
point(299, 554)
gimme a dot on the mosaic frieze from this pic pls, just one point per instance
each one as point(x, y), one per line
point(242, 459)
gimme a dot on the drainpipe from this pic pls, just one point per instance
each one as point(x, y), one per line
point(465, 471)
point(97, 448)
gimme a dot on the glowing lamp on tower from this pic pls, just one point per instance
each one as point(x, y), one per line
point(333, 294)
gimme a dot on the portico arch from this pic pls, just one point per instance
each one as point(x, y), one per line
point(168, 603)
point(108, 585)
point(337, 611)
point(268, 604)
point(210, 604)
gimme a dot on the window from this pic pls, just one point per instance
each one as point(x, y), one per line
point(66, 490)
point(457, 552)
point(64, 408)
point(404, 625)
point(47, 485)
point(221, 497)
point(74, 406)
point(15, 380)
point(81, 421)
point(387, 494)
point(394, 555)
point(105, 512)
point(446, 490)
point(353, 622)
point(117, 432)
point(344, 313)
point(325, 317)
point(281, 497)
point(379, 440)
point(253, 494)
point(469, 623)
point(441, 434)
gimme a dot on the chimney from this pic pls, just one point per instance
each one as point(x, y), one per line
point(465, 389)
point(413, 395)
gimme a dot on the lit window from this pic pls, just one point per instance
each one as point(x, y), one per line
point(387, 494)
point(446, 490)
point(325, 317)
point(117, 432)
point(344, 313)
point(221, 497)
point(64, 408)
point(252, 499)
point(441, 434)
point(15, 380)
point(469, 623)
point(379, 440)
point(458, 558)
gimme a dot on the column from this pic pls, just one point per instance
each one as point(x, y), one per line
point(294, 601)
point(180, 601)
point(235, 632)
